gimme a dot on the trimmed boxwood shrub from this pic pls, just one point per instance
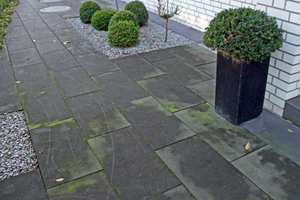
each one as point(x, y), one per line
point(87, 10)
point(139, 9)
point(100, 19)
point(123, 34)
point(245, 33)
point(122, 16)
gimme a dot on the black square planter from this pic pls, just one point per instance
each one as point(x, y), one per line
point(240, 87)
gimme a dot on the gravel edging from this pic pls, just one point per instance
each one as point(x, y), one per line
point(151, 38)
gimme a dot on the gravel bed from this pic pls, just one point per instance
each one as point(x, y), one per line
point(151, 38)
point(16, 150)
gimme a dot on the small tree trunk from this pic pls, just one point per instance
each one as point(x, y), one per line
point(117, 5)
point(166, 36)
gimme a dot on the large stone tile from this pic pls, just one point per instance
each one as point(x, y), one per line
point(178, 193)
point(9, 98)
point(210, 69)
point(278, 133)
point(275, 174)
point(157, 55)
point(40, 33)
point(133, 168)
point(65, 153)
point(28, 186)
point(34, 24)
point(205, 173)
point(206, 90)
point(15, 31)
point(96, 63)
point(4, 53)
point(137, 68)
point(16, 22)
point(154, 123)
point(45, 45)
point(24, 8)
point(74, 81)
point(119, 87)
point(25, 57)
point(80, 45)
point(55, 22)
point(57, 60)
point(6, 73)
point(27, 16)
point(33, 77)
point(227, 139)
point(44, 106)
point(170, 93)
point(95, 114)
point(94, 186)
point(182, 72)
point(67, 34)
point(17, 43)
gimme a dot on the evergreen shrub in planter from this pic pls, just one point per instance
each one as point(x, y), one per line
point(101, 18)
point(244, 39)
point(139, 9)
point(122, 16)
point(87, 10)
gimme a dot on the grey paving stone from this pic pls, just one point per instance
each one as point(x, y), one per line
point(170, 93)
point(205, 173)
point(133, 168)
point(210, 69)
point(182, 72)
point(80, 46)
point(206, 90)
point(67, 34)
point(157, 55)
point(281, 135)
point(94, 186)
point(15, 15)
point(57, 60)
point(65, 153)
point(227, 139)
point(275, 174)
point(4, 53)
point(74, 81)
point(35, 23)
point(154, 123)
point(17, 43)
point(55, 22)
point(96, 63)
point(45, 45)
point(26, 16)
point(178, 193)
point(28, 186)
point(95, 114)
point(38, 33)
point(6, 73)
point(24, 8)
point(33, 77)
point(25, 57)
point(15, 31)
point(16, 22)
point(44, 106)
point(137, 68)
point(68, 14)
point(9, 98)
point(119, 87)
point(193, 54)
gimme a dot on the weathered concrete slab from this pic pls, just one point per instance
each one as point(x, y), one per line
point(24, 8)
point(16, 22)
point(6, 73)
point(4, 53)
point(205, 173)
point(94, 186)
point(74, 81)
point(119, 87)
point(210, 69)
point(95, 114)
point(178, 193)
point(206, 90)
point(34, 24)
point(9, 98)
point(275, 174)
point(137, 68)
point(28, 186)
point(170, 93)
point(154, 123)
point(40, 33)
point(55, 22)
point(67, 34)
point(12, 32)
point(32, 77)
point(157, 55)
point(62, 152)
point(25, 57)
point(26, 16)
point(227, 139)
point(80, 46)
point(96, 63)
point(182, 72)
point(43, 107)
point(45, 45)
point(17, 43)
point(133, 168)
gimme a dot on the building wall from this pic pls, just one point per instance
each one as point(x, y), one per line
point(284, 72)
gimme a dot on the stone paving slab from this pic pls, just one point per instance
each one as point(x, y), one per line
point(279, 134)
point(25, 57)
point(227, 139)
point(154, 123)
point(40, 33)
point(44, 106)
point(80, 46)
point(275, 174)
point(67, 34)
point(28, 186)
point(205, 90)
point(16, 22)
point(33, 77)
point(28, 15)
point(96, 63)
point(95, 114)
point(137, 68)
point(157, 55)
point(65, 153)
point(4, 53)
point(24, 7)
point(45, 45)
point(73, 82)
point(133, 168)
point(17, 43)
point(31, 25)
point(94, 186)
point(178, 193)
point(9, 98)
point(205, 173)
point(170, 93)
point(54, 21)
point(181, 72)
point(6, 73)
point(210, 69)
point(119, 87)
point(15, 31)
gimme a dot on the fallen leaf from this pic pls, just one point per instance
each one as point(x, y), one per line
point(18, 81)
point(290, 131)
point(33, 40)
point(67, 42)
point(248, 145)
point(153, 20)
point(54, 41)
point(27, 58)
point(150, 48)
point(59, 180)
point(289, 121)
point(36, 166)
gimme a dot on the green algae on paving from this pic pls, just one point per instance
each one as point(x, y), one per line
point(148, 102)
point(55, 122)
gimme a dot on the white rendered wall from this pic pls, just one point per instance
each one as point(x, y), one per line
point(284, 72)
